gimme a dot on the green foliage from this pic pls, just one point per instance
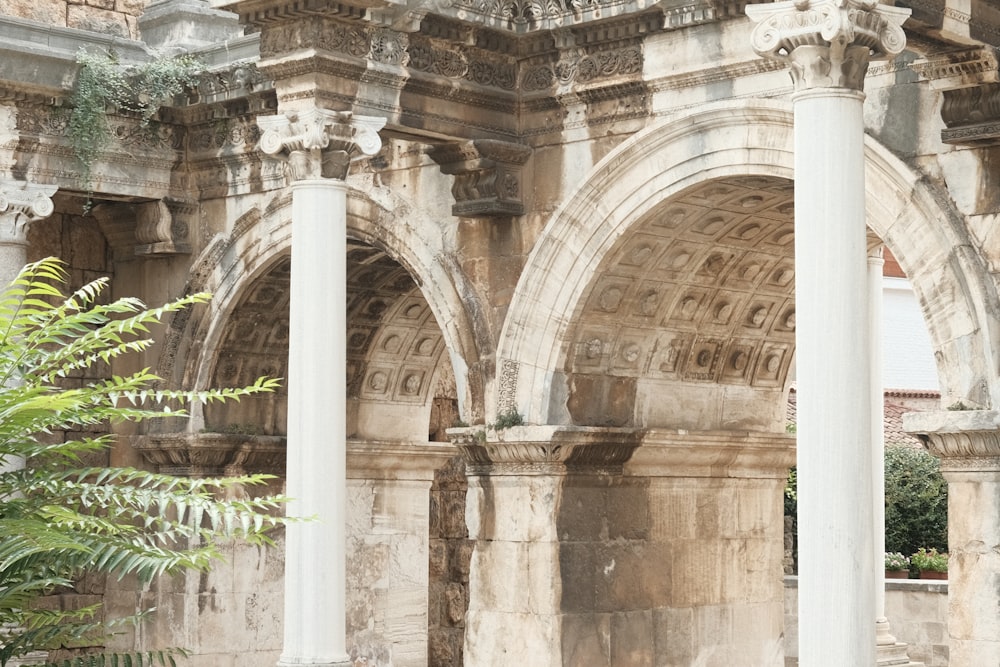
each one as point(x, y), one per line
point(792, 493)
point(507, 420)
point(105, 84)
point(895, 561)
point(60, 519)
point(930, 559)
point(916, 501)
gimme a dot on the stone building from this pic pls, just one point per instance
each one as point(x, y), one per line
point(565, 228)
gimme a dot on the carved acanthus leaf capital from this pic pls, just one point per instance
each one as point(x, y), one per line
point(827, 43)
point(318, 143)
point(21, 204)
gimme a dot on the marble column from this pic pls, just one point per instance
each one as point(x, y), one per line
point(968, 444)
point(317, 146)
point(827, 45)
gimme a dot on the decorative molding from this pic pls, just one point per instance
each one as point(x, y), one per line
point(958, 69)
point(213, 454)
point(827, 43)
point(966, 441)
point(487, 176)
point(583, 66)
point(318, 143)
point(21, 204)
point(684, 13)
point(544, 450)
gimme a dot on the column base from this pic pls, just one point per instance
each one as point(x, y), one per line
point(307, 662)
point(894, 655)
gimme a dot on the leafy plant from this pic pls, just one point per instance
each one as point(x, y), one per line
point(895, 561)
point(61, 519)
point(916, 501)
point(507, 420)
point(104, 83)
point(930, 559)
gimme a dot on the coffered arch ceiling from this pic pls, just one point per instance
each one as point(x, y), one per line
point(693, 307)
point(395, 360)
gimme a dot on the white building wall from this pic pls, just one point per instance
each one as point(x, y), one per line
point(907, 352)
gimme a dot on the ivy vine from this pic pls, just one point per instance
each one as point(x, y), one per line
point(106, 85)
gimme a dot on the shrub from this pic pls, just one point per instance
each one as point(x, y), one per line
point(930, 559)
point(916, 501)
point(61, 518)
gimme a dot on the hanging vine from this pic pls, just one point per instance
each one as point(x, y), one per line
point(105, 85)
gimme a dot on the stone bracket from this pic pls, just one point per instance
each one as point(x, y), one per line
point(147, 229)
point(162, 227)
point(488, 176)
point(972, 115)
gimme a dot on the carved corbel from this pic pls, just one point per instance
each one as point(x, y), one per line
point(21, 204)
point(161, 227)
point(146, 229)
point(969, 81)
point(487, 176)
point(318, 143)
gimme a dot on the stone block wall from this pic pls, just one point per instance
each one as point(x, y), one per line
point(917, 612)
point(450, 556)
point(112, 17)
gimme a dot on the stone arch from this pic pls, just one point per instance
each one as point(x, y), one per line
point(727, 142)
point(260, 243)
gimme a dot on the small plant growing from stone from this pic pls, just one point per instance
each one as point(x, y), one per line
point(507, 420)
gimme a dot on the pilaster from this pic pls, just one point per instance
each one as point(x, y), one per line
point(968, 444)
point(827, 45)
point(316, 146)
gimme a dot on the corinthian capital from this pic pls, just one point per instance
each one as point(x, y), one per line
point(21, 204)
point(318, 143)
point(827, 43)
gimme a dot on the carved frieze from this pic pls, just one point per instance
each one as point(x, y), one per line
point(487, 176)
point(580, 66)
point(827, 43)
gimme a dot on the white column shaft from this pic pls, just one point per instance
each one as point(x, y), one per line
point(836, 586)
point(315, 570)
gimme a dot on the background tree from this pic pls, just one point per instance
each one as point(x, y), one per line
point(61, 519)
point(916, 501)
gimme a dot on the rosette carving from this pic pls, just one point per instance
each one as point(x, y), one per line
point(318, 143)
point(827, 43)
point(21, 204)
